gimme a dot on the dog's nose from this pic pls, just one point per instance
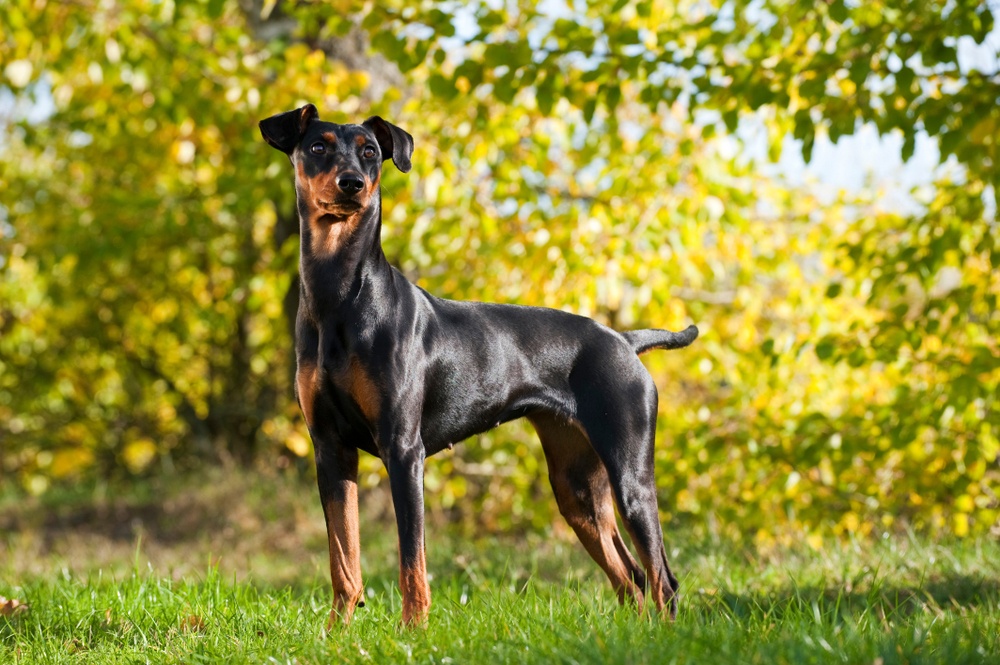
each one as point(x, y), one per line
point(350, 183)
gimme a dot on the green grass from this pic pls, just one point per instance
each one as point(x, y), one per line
point(533, 598)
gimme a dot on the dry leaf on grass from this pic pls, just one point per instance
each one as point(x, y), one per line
point(12, 607)
point(192, 624)
point(75, 645)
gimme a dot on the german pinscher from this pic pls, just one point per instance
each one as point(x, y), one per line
point(385, 367)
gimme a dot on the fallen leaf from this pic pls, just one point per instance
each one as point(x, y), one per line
point(12, 607)
point(192, 624)
point(75, 645)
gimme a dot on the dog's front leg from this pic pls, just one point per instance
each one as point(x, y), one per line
point(405, 465)
point(337, 474)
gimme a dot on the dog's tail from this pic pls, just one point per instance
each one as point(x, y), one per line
point(647, 340)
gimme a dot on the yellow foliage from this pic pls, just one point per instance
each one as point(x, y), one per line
point(841, 382)
point(960, 524)
point(964, 504)
point(139, 454)
point(71, 462)
point(297, 443)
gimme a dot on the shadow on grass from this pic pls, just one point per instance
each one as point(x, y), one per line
point(886, 601)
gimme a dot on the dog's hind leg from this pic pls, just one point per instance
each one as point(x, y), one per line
point(583, 493)
point(622, 430)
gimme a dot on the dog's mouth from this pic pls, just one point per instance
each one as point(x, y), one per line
point(338, 209)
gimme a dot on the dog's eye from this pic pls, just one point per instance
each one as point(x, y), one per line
point(317, 148)
point(369, 152)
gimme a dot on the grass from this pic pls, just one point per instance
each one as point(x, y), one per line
point(193, 575)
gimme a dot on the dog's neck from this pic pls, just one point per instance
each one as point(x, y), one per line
point(341, 259)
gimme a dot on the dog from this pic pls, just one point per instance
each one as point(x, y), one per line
point(384, 367)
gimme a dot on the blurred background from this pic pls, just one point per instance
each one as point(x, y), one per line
point(813, 184)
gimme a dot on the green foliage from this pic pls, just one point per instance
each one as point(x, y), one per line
point(847, 376)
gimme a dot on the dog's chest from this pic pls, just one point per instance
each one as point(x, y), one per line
point(350, 377)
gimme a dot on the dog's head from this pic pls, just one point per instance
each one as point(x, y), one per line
point(337, 167)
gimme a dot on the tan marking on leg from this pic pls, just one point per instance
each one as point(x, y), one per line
point(306, 388)
point(659, 588)
point(635, 570)
point(583, 493)
point(415, 591)
point(345, 554)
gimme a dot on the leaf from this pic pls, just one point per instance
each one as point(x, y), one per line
point(803, 124)
point(732, 119)
point(442, 23)
point(11, 607)
point(825, 348)
point(949, 141)
point(546, 95)
point(498, 54)
point(472, 71)
point(858, 71)
point(389, 45)
point(807, 146)
point(215, 8)
point(504, 88)
point(759, 96)
point(612, 96)
point(442, 87)
point(909, 145)
point(838, 11)
point(192, 623)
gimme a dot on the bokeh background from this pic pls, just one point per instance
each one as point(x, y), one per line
point(653, 163)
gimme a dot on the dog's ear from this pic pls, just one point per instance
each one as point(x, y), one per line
point(285, 130)
point(392, 141)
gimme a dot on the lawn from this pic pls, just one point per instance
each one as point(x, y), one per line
point(233, 570)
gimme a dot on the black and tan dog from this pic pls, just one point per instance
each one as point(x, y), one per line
point(387, 368)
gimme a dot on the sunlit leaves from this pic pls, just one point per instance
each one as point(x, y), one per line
point(147, 206)
point(847, 373)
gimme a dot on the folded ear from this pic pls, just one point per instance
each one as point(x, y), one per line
point(392, 141)
point(285, 130)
